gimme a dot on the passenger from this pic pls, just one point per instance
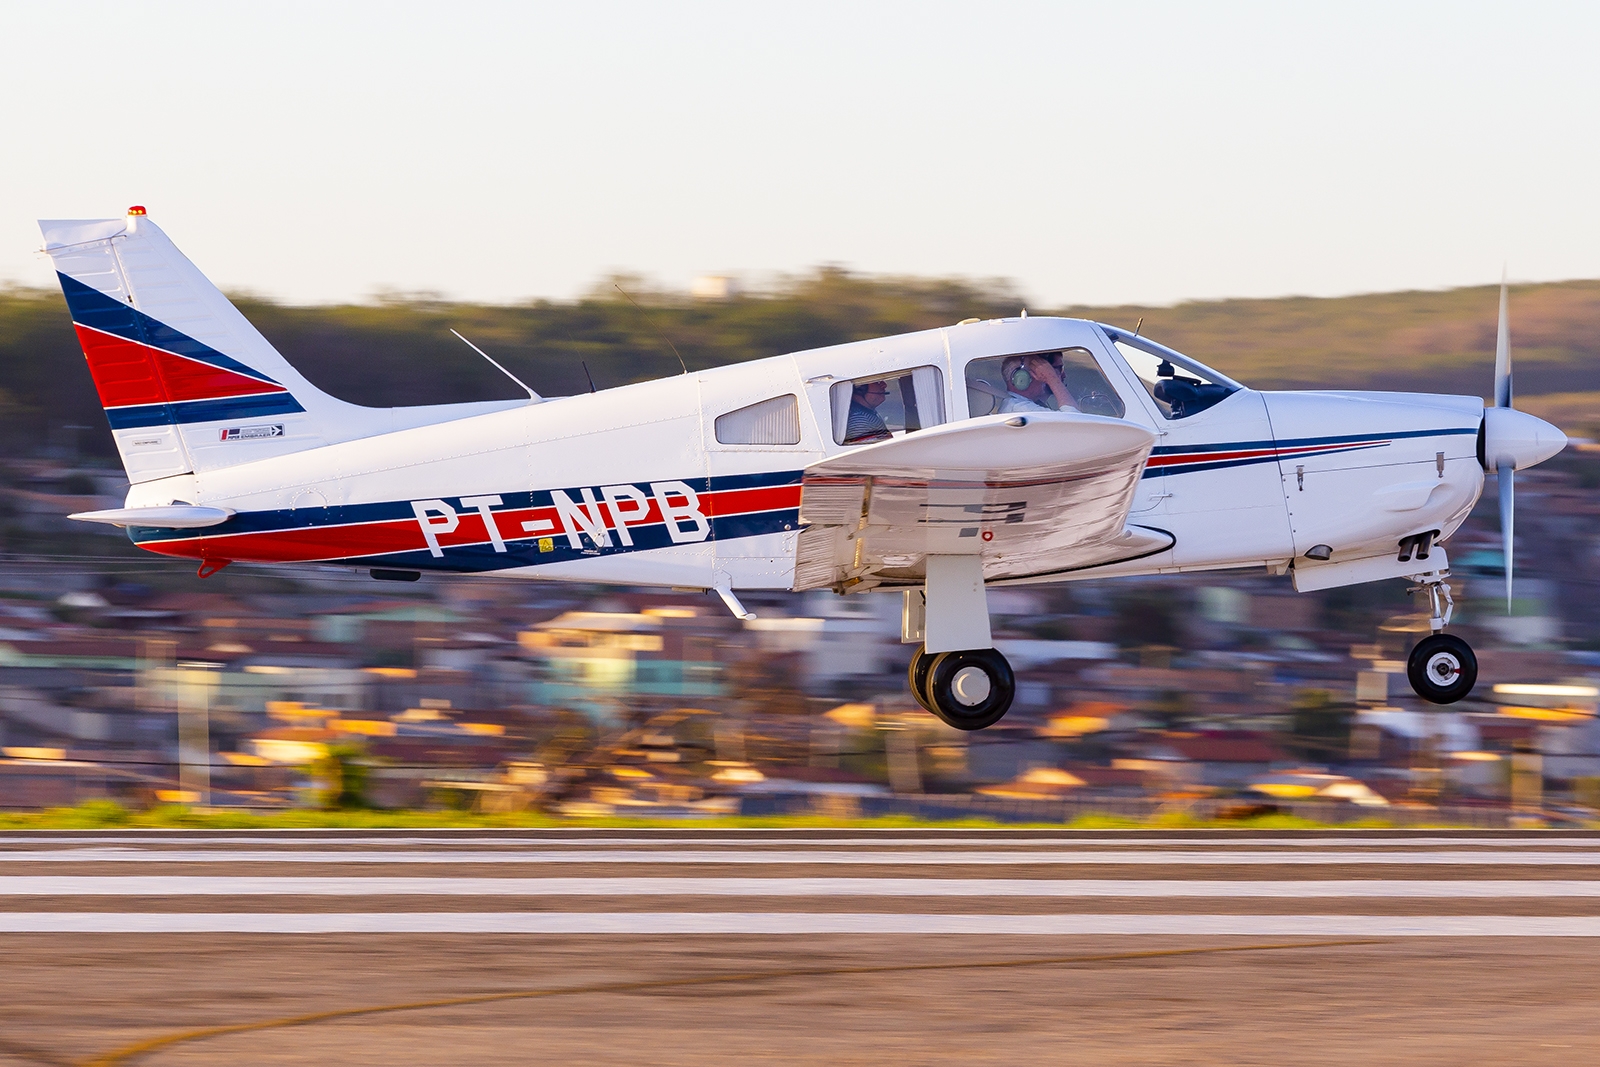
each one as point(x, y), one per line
point(864, 423)
point(1030, 381)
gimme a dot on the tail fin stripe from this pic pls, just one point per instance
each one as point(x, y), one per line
point(243, 407)
point(96, 310)
point(127, 372)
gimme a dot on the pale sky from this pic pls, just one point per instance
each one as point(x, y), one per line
point(1093, 153)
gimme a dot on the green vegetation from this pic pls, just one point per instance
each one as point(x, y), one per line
point(399, 350)
point(107, 814)
point(341, 776)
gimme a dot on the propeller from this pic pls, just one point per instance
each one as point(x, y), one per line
point(1512, 440)
point(1505, 468)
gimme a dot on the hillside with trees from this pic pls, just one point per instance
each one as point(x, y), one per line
point(398, 350)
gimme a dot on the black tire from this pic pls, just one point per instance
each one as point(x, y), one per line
point(1442, 668)
point(917, 677)
point(950, 688)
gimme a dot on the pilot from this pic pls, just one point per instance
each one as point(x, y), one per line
point(1030, 382)
point(864, 423)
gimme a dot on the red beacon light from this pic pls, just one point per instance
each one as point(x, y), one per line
point(137, 209)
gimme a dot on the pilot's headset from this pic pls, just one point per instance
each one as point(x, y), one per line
point(1019, 378)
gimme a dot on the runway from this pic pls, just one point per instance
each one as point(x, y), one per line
point(849, 947)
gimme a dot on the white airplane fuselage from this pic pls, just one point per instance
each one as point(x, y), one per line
point(1256, 480)
point(935, 463)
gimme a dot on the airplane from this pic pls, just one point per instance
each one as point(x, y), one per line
point(934, 464)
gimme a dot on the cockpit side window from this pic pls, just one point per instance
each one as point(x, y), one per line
point(1062, 380)
point(1179, 386)
point(886, 405)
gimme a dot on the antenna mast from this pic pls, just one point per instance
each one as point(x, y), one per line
point(663, 336)
point(531, 394)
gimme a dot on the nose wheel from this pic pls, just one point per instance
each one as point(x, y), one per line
point(968, 690)
point(1442, 668)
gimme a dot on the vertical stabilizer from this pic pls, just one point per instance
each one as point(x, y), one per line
point(187, 383)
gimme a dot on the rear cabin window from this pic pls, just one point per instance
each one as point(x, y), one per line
point(1064, 380)
point(771, 422)
point(882, 406)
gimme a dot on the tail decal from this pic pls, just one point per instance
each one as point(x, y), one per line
point(149, 374)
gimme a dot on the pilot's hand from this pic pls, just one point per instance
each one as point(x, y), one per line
point(1042, 369)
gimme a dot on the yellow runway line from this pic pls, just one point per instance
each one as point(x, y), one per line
point(139, 1048)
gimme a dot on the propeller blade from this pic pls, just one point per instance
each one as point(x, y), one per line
point(1502, 354)
point(1508, 503)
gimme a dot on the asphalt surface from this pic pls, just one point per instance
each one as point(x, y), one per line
point(713, 947)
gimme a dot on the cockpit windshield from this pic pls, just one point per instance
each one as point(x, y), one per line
point(1179, 386)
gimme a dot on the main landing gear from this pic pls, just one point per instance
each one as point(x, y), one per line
point(1441, 668)
point(955, 674)
point(968, 690)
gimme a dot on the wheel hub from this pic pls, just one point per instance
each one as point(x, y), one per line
point(971, 686)
point(1443, 668)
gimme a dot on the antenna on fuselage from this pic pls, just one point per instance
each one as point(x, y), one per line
point(587, 375)
point(531, 394)
point(662, 336)
point(1138, 326)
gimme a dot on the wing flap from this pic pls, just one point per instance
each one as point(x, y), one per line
point(1030, 494)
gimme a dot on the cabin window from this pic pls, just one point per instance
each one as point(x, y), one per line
point(771, 422)
point(881, 406)
point(1179, 386)
point(1063, 380)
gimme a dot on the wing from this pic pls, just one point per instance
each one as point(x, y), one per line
point(1032, 494)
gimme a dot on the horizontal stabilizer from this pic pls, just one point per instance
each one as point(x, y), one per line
point(171, 517)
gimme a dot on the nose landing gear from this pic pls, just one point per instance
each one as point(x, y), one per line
point(1441, 668)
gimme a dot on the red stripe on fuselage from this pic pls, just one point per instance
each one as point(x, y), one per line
point(309, 544)
point(128, 373)
point(1185, 458)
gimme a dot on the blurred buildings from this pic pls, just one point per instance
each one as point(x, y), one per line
point(126, 676)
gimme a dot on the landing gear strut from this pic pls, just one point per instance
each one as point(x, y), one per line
point(964, 681)
point(968, 690)
point(1441, 668)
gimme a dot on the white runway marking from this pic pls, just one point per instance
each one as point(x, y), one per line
point(645, 923)
point(206, 885)
point(771, 838)
point(996, 857)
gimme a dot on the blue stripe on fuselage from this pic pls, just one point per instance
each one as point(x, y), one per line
point(1305, 442)
point(392, 510)
point(1356, 442)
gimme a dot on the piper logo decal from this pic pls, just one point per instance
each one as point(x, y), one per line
point(252, 433)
